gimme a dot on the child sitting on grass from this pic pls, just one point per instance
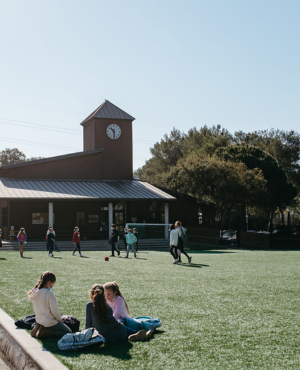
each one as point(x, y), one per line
point(116, 301)
point(99, 315)
point(47, 314)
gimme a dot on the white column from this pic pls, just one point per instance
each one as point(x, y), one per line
point(110, 217)
point(167, 220)
point(50, 212)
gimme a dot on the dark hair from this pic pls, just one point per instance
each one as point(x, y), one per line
point(115, 289)
point(46, 276)
point(99, 303)
point(129, 230)
point(172, 227)
point(113, 225)
point(178, 223)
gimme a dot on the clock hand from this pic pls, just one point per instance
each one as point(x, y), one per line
point(113, 132)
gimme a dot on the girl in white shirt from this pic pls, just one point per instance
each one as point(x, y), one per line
point(173, 243)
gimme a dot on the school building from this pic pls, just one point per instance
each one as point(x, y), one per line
point(87, 188)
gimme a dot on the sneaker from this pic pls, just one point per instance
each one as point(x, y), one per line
point(190, 258)
point(118, 253)
point(175, 261)
point(52, 255)
point(49, 255)
point(140, 335)
point(80, 255)
point(73, 254)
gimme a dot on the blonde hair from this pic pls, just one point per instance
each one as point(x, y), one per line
point(114, 287)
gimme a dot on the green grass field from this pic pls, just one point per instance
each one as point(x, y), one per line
point(229, 309)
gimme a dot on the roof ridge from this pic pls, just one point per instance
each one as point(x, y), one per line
point(109, 110)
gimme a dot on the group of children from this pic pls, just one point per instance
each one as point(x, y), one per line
point(106, 312)
point(130, 238)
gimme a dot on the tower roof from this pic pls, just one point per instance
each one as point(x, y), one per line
point(109, 110)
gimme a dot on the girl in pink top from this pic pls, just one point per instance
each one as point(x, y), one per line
point(116, 301)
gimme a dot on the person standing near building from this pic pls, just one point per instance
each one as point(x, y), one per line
point(22, 237)
point(76, 241)
point(0, 238)
point(51, 241)
point(113, 240)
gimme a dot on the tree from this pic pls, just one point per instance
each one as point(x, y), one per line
point(212, 180)
point(282, 145)
point(178, 145)
point(11, 156)
point(280, 192)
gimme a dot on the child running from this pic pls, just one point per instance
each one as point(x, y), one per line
point(47, 314)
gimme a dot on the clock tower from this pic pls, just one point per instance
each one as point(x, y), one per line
point(110, 128)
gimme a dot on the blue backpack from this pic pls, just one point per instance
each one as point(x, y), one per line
point(81, 339)
point(142, 322)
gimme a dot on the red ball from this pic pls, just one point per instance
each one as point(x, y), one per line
point(106, 258)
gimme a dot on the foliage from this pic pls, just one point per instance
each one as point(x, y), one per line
point(178, 145)
point(215, 181)
point(279, 192)
point(11, 156)
point(14, 155)
point(228, 309)
point(282, 145)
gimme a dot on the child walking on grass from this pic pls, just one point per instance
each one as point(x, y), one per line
point(22, 237)
point(47, 314)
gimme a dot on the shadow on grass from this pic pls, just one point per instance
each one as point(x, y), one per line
point(85, 257)
point(199, 251)
point(2, 258)
point(59, 258)
point(120, 351)
point(27, 258)
point(197, 265)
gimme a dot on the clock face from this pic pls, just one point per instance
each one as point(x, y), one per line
point(113, 131)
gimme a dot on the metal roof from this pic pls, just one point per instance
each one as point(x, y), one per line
point(109, 110)
point(80, 190)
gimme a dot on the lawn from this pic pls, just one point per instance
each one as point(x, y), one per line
point(228, 309)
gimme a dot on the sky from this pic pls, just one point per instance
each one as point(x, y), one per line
point(179, 64)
